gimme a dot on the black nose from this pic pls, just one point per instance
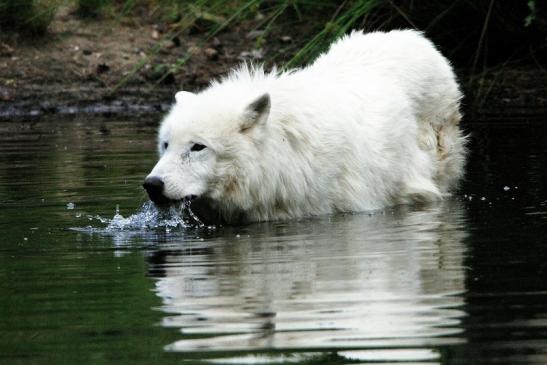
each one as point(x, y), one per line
point(154, 187)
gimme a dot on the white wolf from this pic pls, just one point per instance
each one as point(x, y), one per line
point(371, 123)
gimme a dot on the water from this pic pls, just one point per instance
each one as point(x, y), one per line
point(81, 280)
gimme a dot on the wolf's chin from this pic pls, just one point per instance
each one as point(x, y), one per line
point(210, 212)
point(206, 210)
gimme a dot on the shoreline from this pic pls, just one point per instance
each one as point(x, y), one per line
point(508, 99)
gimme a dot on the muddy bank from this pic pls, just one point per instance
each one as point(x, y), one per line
point(112, 66)
point(127, 68)
point(518, 94)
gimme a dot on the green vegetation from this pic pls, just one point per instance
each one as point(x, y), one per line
point(464, 27)
point(27, 16)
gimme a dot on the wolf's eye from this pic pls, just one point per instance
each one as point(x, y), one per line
point(165, 145)
point(197, 147)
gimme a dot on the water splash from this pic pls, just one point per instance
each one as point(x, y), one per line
point(151, 218)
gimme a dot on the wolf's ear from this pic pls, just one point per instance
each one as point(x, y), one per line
point(183, 96)
point(257, 112)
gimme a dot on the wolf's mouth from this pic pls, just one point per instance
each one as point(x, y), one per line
point(205, 209)
point(163, 201)
point(190, 198)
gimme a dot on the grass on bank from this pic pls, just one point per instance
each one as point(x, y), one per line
point(327, 20)
point(476, 34)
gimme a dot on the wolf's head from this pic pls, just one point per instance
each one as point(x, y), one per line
point(208, 146)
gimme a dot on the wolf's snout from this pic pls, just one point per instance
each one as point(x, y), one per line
point(154, 187)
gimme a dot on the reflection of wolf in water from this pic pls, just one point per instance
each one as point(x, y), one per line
point(349, 280)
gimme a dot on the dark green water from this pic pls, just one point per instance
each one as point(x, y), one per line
point(460, 282)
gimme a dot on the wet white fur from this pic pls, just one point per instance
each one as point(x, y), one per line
point(371, 123)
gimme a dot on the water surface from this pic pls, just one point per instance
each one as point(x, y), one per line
point(459, 282)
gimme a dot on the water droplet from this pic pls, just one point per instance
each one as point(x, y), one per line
point(506, 188)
